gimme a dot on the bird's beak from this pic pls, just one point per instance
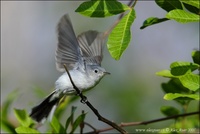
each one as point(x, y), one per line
point(106, 73)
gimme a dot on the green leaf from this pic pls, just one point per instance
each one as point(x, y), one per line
point(191, 5)
point(169, 5)
point(172, 96)
point(6, 124)
point(23, 118)
point(114, 7)
point(180, 68)
point(101, 8)
point(194, 3)
point(177, 69)
point(196, 57)
point(151, 21)
point(174, 86)
point(182, 16)
point(191, 8)
point(57, 126)
point(70, 119)
point(166, 73)
point(77, 122)
point(6, 105)
point(62, 107)
point(120, 36)
point(169, 110)
point(190, 81)
point(26, 130)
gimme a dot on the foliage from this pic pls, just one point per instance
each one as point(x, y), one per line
point(101, 8)
point(182, 11)
point(183, 78)
point(182, 87)
point(28, 125)
point(7, 125)
point(120, 36)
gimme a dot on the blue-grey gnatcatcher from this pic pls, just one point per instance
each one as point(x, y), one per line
point(82, 56)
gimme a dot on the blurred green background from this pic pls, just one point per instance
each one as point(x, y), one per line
point(131, 93)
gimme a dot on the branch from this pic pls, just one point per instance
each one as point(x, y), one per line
point(85, 101)
point(144, 122)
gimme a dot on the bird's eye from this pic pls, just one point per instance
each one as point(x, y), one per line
point(96, 71)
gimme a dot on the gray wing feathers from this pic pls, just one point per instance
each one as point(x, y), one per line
point(91, 44)
point(68, 51)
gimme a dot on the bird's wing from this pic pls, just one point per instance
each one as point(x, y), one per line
point(91, 44)
point(68, 50)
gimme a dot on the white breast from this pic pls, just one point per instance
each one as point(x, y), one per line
point(81, 80)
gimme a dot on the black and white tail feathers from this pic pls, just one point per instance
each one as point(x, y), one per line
point(42, 111)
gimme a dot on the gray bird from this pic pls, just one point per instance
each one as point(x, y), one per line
point(82, 56)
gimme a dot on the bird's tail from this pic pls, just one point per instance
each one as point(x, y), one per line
point(47, 106)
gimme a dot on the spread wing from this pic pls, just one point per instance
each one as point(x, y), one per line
point(68, 51)
point(91, 44)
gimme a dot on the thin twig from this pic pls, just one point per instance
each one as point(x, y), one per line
point(77, 90)
point(85, 101)
point(144, 122)
point(134, 3)
point(89, 125)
